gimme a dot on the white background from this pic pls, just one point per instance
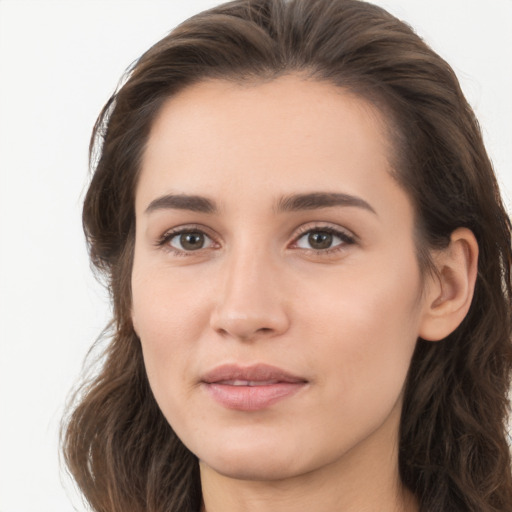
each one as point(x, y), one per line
point(59, 62)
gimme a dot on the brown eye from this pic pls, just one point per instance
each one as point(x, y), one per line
point(320, 240)
point(324, 239)
point(190, 241)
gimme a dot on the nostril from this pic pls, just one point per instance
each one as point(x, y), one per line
point(244, 331)
point(248, 320)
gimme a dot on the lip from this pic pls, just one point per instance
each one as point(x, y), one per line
point(250, 388)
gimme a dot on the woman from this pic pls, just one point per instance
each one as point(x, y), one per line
point(310, 267)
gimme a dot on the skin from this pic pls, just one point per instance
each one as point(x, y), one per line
point(344, 318)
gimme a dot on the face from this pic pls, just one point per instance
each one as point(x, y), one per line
point(276, 290)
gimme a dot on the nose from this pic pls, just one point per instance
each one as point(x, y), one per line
point(252, 301)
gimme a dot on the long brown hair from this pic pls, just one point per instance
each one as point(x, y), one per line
point(453, 435)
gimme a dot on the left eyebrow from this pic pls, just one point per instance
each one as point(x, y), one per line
point(316, 200)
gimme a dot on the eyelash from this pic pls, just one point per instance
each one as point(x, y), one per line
point(345, 237)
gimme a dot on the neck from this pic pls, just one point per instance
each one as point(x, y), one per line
point(365, 480)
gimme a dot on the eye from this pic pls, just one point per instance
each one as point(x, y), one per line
point(323, 239)
point(188, 241)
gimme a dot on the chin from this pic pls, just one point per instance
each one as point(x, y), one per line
point(257, 469)
point(253, 461)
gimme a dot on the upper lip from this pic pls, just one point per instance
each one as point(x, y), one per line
point(253, 373)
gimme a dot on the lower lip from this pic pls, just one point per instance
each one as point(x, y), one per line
point(252, 398)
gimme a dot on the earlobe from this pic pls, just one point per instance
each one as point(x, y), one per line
point(449, 293)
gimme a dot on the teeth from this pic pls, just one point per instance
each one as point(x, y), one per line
point(248, 382)
point(239, 383)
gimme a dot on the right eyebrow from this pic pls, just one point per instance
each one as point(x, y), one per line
point(182, 202)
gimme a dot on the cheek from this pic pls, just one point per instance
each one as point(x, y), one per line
point(165, 301)
point(367, 330)
point(169, 317)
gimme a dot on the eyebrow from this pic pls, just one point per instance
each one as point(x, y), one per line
point(291, 203)
point(192, 203)
point(317, 200)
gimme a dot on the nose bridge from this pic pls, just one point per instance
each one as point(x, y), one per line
point(248, 263)
point(250, 302)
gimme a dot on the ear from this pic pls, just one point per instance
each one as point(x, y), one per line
point(448, 294)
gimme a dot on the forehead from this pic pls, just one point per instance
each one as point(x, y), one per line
point(264, 137)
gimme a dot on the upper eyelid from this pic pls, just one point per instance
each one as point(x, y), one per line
point(319, 226)
point(187, 228)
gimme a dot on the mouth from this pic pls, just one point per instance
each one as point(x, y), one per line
point(251, 388)
point(248, 382)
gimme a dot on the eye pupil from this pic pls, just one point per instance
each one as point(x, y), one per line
point(320, 239)
point(192, 241)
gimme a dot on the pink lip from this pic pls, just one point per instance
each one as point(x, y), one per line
point(250, 388)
